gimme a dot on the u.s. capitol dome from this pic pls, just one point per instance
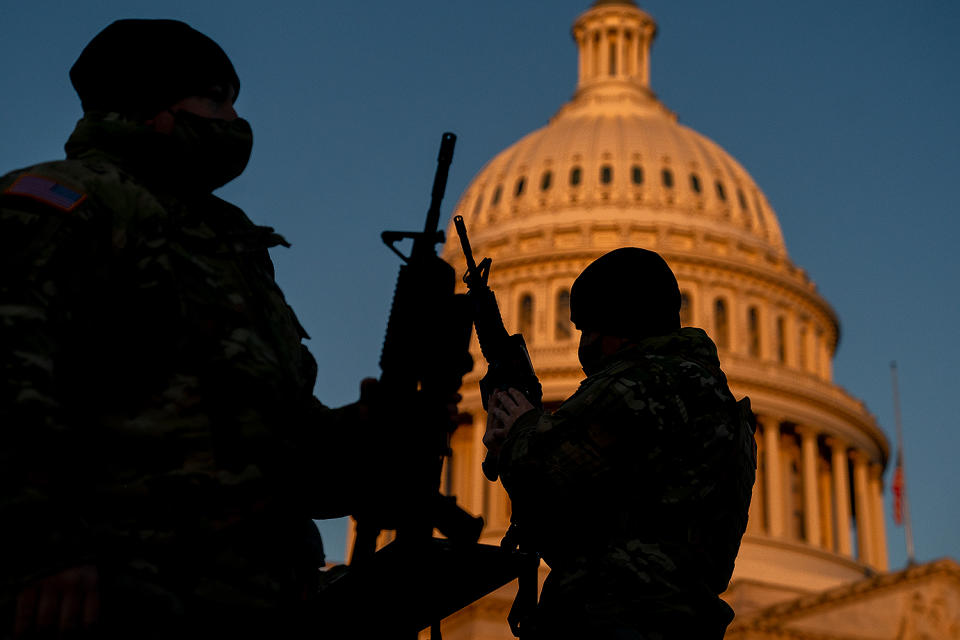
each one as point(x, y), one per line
point(612, 168)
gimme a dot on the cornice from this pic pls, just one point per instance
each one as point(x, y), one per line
point(828, 397)
point(772, 618)
point(806, 549)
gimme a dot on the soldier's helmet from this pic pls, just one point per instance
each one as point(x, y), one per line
point(628, 292)
point(140, 67)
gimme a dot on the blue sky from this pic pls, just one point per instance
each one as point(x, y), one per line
point(844, 113)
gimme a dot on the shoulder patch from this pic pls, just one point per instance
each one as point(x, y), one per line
point(47, 191)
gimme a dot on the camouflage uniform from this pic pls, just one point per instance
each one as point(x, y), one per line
point(157, 409)
point(635, 490)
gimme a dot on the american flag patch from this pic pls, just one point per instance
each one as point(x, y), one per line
point(47, 191)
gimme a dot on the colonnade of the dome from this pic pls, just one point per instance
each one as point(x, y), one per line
point(804, 491)
point(821, 457)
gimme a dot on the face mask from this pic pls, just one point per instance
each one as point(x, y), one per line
point(590, 351)
point(207, 153)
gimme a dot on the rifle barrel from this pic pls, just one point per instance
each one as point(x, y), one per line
point(444, 158)
point(465, 244)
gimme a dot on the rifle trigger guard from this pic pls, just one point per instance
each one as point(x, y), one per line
point(483, 269)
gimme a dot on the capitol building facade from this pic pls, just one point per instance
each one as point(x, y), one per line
point(614, 168)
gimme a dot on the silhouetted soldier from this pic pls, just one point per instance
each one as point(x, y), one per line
point(636, 489)
point(162, 452)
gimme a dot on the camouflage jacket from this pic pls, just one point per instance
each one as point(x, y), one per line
point(636, 489)
point(157, 408)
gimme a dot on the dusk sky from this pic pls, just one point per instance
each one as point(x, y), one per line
point(844, 112)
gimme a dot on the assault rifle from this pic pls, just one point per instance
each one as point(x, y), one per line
point(417, 579)
point(424, 357)
point(508, 362)
point(508, 366)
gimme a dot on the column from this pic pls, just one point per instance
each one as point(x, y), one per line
point(630, 54)
point(601, 51)
point(621, 58)
point(644, 50)
point(791, 500)
point(496, 499)
point(826, 370)
point(879, 523)
point(816, 338)
point(864, 507)
point(811, 506)
point(841, 494)
point(773, 482)
point(582, 62)
point(592, 46)
point(474, 497)
point(755, 524)
point(826, 507)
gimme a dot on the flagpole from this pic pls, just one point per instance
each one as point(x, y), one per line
point(907, 527)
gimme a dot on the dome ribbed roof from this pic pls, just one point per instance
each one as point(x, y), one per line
point(614, 145)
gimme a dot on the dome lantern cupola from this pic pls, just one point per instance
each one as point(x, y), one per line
point(613, 39)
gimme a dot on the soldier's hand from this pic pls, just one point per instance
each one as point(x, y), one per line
point(502, 411)
point(59, 605)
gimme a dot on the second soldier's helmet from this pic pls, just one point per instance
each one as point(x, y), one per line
point(628, 292)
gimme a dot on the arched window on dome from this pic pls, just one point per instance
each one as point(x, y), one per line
point(781, 340)
point(695, 182)
point(721, 193)
point(562, 328)
point(545, 180)
point(606, 174)
point(496, 195)
point(686, 309)
point(721, 324)
point(753, 331)
point(818, 340)
point(525, 317)
point(637, 174)
point(478, 206)
point(521, 183)
point(747, 220)
point(802, 350)
point(759, 210)
point(667, 178)
point(576, 176)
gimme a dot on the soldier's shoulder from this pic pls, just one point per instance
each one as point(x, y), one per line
point(57, 186)
point(77, 190)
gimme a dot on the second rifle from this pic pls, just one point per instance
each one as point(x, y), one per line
point(508, 361)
